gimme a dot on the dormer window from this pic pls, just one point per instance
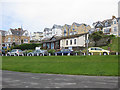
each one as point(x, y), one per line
point(106, 24)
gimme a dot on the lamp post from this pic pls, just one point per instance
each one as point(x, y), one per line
point(87, 41)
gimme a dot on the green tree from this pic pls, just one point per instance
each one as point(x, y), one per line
point(96, 36)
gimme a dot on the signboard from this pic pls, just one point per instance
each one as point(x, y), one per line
point(87, 41)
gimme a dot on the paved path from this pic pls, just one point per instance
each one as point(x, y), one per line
point(34, 80)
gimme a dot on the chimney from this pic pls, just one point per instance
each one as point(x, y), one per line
point(113, 17)
point(19, 29)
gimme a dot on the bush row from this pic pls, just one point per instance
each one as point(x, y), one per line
point(26, 46)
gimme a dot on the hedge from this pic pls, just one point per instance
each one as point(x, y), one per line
point(26, 46)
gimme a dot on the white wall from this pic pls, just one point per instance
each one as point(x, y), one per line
point(57, 32)
point(112, 28)
point(80, 41)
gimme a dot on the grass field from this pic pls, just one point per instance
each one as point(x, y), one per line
point(76, 65)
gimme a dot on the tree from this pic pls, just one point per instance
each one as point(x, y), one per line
point(96, 36)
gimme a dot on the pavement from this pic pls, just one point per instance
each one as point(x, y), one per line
point(11, 79)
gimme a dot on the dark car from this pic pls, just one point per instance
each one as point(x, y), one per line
point(2, 52)
point(65, 52)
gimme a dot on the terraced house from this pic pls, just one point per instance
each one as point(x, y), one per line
point(16, 36)
point(108, 26)
point(75, 28)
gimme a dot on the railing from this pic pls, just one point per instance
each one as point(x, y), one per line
point(75, 54)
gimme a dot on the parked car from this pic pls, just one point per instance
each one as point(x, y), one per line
point(15, 52)
point(38, 52)
point(2, 52)
point(98, 50)
point(65, 52)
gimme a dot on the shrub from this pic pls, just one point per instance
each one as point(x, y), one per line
point(26, 46)
point(51, 51)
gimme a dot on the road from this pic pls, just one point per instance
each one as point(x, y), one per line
point(13, 79)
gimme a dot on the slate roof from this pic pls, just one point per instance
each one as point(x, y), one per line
point(47, 29)
point(103, 22)
point(17, 32)
point(109, 22)
point(68, 25)
point(77, 24)
point(57, 26)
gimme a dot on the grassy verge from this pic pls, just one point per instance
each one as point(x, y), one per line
point(76, 65)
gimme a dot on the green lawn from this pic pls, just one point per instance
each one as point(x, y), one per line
point(76, 65)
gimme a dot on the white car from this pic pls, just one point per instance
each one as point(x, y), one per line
point(15, 52)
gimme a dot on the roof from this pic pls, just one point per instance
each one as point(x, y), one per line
point(57, 26)
point(68, 25)
point(109, 22)
point(77, 24)
point(17, 32)
point(47, 29)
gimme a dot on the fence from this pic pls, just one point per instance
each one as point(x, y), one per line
point(62, 54)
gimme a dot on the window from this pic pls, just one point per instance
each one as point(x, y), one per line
point(26, 34)
point(92, 48)
point(48, 45)
point(68, 32)
point(52, 45)
point(106, 24)
point(115, 29)
point(9, 39)
point(106, 30)
point(98, 49)
point(70, 42)
point(65, 33)
point(114, 22)
point(67, 42)
point(98, 29)
point(25, 40)
point(74, 41)
point(13, 39)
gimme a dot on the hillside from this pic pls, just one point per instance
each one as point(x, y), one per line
point(114, 45)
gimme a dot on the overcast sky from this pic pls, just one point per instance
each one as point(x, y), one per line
point(35, 15)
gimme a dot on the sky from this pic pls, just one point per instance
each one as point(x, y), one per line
point(35, 15)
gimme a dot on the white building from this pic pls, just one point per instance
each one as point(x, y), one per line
point(114, 27)
point(75, 41)
point(56, 30)
point(47, 33)
point(109, 26)
point(37, 36)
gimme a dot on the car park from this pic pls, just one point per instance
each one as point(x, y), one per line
point(38, 53)
point(65, 52)
point(98, 50)
point(15, 52)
